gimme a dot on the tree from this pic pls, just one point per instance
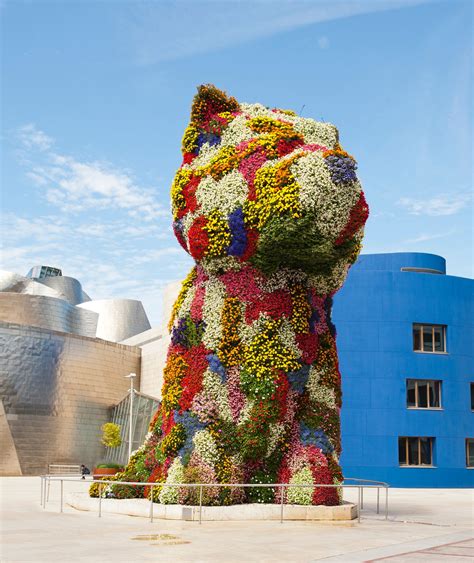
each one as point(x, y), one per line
point(111, 435)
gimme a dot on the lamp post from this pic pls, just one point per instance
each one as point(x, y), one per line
point(130, 376)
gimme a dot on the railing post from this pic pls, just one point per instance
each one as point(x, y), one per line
point(151, 504)
point(200, 504)
point(62, 483)
point(358, 507)
point(386, 503)
point(41, 503)
point(100, 500)
point(378, 500)
point(49, 487)
point(282, 493)
point(362, 498)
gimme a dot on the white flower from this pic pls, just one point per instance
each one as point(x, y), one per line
point(205, 447)
point(215, 389)
point(169, 495)
point(212, 312)
point(237, 132)
point(301, 495)
point(330, 204)
point(225, 195)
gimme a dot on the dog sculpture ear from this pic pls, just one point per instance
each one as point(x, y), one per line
point(208, 102)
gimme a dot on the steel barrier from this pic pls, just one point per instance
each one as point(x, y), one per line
point(365, 484)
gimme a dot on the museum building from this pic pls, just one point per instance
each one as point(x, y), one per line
point(405, 334)
point(405, 338)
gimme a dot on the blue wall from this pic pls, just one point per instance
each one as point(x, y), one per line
point(374, 313)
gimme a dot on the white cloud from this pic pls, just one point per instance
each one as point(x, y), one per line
point(323, 42)
point(166, 31)
point(74, 186)
point(442, 204)
point(424, 237)
point(33, 138)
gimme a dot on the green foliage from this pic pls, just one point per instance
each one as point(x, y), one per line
point(297, 243)
point(109, 466)
point(264, 495)
point(111, 435)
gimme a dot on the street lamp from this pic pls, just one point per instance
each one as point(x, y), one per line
point(130, 376)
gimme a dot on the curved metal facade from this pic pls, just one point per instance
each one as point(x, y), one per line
point(119, 319)
point(57, 390)
point(14, 283)
point(374, 313)
point(47, 312)
point(68, 288)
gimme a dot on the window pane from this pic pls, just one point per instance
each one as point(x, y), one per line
point(472, 396)
point(438, 339)
point(427, 339)
point(434, 387)
point(412, 451)
point(423, 394)
point(425, 445)
point(402, 452)
point(470, 452)
point(416, 337)
point(411, 399)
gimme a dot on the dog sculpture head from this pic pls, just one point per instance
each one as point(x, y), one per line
point(265, 186)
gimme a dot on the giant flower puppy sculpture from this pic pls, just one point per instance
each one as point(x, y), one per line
point(269, 206)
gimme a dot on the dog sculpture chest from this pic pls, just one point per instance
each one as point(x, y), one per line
point(270, 208)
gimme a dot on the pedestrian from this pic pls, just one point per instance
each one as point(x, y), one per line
point(84, 471)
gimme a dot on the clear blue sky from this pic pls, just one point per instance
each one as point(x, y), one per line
point(96, 95)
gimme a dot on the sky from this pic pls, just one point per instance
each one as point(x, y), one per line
point(96, 95)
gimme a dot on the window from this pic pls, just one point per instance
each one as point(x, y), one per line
point(429, 338)
point(415, 451)
point(472, 396)
point(469, 452)
point(423, 394)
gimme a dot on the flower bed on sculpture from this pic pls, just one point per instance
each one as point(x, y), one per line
point(269, 206)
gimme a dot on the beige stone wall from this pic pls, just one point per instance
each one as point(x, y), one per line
point(57, 391)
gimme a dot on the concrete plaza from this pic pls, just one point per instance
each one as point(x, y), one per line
point(423, 524)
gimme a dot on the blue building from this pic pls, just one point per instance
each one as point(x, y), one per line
point(405, 337)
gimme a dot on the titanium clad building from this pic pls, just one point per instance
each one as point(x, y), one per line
point(405, 338)
point(62, 368)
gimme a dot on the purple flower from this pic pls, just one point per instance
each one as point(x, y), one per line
point(342, 169)
point(238, 243)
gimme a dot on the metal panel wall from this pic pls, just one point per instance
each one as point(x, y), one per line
point(47, 312)
point(57, 390)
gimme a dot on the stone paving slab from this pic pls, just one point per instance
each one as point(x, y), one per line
point(418, 520)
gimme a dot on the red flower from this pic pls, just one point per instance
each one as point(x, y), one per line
point(286, 146)
point(275, 304)
point(308, 344)
point(252, 239)
point(188, 157)
point(198, 239)
point(357, 218)
point(192, 382)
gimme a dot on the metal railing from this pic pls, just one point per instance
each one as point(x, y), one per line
point(364, 484)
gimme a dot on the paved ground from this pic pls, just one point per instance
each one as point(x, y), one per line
point(424, 525)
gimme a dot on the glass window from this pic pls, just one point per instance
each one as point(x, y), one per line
point(472, 396)
point(423, 394)
point(411, 393)
point(415, 450)
point(469, 452)
point(429, 338)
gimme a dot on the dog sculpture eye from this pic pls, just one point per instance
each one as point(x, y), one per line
point(269, 206)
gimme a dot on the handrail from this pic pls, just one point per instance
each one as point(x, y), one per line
point(46, 480)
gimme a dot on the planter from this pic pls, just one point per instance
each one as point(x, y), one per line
point(100, 472)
